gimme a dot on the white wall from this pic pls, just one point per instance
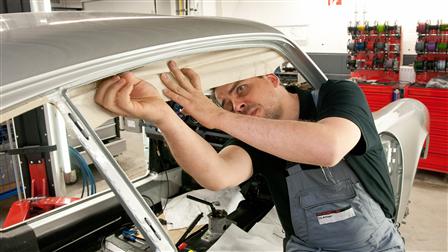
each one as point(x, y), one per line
point(164, 7)
point(319, 27)
point(138, 6)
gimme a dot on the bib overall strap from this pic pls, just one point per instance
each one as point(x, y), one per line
point(293, 168)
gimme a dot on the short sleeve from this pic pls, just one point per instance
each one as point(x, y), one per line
point(346, 100)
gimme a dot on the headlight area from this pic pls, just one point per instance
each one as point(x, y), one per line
point(394, 158)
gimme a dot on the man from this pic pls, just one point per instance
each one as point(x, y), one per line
point(321, 155)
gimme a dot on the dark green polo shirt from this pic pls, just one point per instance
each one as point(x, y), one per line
point(336, 99)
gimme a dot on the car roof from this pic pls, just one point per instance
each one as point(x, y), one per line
point(36, 43)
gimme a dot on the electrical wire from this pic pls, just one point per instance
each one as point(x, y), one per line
point(167, 190)
point(83, 184)
point(85, 170)
point(91, 177)
point(165, 169)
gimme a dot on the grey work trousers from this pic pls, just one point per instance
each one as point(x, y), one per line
point(331, 211)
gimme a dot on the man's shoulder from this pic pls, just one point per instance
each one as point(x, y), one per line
point(341, 89)
point(346, 84)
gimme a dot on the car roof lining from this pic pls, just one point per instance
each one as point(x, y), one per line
point(215, 68)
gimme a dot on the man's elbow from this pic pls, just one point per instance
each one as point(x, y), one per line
point(221, 184)
point(330, 162)
point(215, 185)
point(331, 157)
point(215, 188)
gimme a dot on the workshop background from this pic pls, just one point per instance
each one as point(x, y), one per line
point(344, 38)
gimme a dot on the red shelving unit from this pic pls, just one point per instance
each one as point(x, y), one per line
point(378, 96)
point(436, 100)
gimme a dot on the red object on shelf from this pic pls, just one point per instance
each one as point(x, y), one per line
point(424, 77)
point(380, 76)
point(39, 181)
point(182, 246)
point(25, 209)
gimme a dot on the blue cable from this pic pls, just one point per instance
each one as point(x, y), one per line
point(85, 183)
point(85, 169)
point(88, 172)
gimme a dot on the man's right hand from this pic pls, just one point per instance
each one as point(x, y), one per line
point(127, 95)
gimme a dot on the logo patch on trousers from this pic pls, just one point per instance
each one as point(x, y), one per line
point(335, 215)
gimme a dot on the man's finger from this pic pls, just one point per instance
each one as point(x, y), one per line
point(108, 81)
point(123, 98)
point(110, 96)
point(111, 93)
point(175, 97)
point(102, 87)
point(130, 77)
point(173, 86)
point(195, 80)
point(183, 81)
point(114, 109)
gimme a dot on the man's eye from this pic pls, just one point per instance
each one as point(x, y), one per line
point(241, 89)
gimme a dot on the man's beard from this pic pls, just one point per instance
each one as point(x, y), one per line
point(274, 113)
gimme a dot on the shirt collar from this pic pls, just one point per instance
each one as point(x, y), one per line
point(308, 110)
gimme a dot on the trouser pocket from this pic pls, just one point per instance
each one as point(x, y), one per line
point(339, 216)
point(312, 189)
point(330, 209)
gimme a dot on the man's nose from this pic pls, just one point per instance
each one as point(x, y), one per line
point(240, 107)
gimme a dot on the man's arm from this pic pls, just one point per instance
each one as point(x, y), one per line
point(324, 142)
point(128, 96)
point(214, 171)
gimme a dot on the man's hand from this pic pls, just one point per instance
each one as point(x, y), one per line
point(188, 93)
point(127, 95)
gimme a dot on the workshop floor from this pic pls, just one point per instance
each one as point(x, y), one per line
point(426, 226)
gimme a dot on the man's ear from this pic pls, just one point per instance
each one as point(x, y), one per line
point(273, 78)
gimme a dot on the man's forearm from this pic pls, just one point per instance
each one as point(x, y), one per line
point(195, 155)
point(298, 141)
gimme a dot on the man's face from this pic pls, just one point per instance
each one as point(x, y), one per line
point(257, 96)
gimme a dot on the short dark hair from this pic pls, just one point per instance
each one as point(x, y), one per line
point(213, 97)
